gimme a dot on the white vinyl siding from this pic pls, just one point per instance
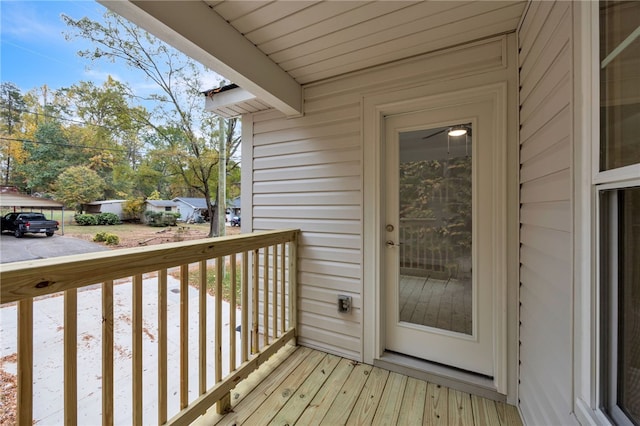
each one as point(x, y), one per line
point(545, 217)
point(307, 173)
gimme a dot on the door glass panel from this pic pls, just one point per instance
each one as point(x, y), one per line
point(435, 196)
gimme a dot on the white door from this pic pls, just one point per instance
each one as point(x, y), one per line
point(439, 214)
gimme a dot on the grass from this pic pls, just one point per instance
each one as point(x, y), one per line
point(194, 281)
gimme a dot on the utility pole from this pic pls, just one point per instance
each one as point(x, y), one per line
point(222, 179)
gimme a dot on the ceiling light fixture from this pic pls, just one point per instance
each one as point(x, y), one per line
point(457, 131)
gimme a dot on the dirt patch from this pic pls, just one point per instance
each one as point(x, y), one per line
point(8, 393)
point(142, 235)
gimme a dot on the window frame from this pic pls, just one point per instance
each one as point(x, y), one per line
point(589, 182)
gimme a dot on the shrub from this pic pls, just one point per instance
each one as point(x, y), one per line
point(108, 219)
point(107, 238)
point(161, 218)
point(85, 219)
point(112, 240)
point(100, 237)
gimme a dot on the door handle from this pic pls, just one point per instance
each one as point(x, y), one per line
point(390, 243)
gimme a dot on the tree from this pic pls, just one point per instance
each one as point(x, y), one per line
point(78, 185)
point(108, 119)
point(181, 130)
point(49, 154)
point(12, 105)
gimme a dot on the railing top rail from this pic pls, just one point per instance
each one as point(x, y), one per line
point(41, 277)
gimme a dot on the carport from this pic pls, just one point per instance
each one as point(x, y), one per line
point(15, 201)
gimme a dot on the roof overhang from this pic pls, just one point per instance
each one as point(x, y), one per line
point(221, 47)
point(10, 199)
point(232, 101)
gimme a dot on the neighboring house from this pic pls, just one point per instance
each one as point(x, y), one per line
point(192, 209)
point(106, 206)
point(363, 113)
point(161, 206)
point(234, 207)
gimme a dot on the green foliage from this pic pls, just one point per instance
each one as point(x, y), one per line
point(161, 218)
point(78, 185)
point(97, 219)
point(107, 219)
point(107, 238)
point(86, 219)
point(133, 209)
point(155, 195)
point(227, 288)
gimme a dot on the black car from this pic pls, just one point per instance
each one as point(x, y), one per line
point(235, 221)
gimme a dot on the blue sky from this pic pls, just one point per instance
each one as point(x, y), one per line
point(34, 51)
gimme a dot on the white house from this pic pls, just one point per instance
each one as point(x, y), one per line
point(105, 206)
point(347, 111)
point(161, 206)
point(191, 208)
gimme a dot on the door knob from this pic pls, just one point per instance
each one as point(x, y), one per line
point(390, 228)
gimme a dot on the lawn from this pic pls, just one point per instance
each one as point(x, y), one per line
point(133, 235)
point(137, 235)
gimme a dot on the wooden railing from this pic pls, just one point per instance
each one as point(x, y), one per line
point(259, 269)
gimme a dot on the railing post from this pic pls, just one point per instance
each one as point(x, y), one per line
point(293, 285)
point(107, 353)
point(255, 306)
point(137, 349)
point(71, 357)
point(25, 361)
point(162, 346)
point(184, 336)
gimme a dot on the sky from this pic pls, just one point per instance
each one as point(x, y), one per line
point(34, 51)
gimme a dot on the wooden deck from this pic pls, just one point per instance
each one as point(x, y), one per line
point(307, 387)
point(445, 304)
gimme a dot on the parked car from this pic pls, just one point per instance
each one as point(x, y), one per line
point(235, 221)
point(21, 223)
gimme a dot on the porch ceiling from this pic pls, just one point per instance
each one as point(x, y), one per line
point(272, 48)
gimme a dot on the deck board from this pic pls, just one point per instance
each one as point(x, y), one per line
point(301, 386)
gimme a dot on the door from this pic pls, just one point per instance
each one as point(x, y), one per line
point(439, 216)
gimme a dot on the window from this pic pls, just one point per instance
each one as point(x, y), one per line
point(619, 84)
point(620, 254)
point(618, 185)
point(167, 209)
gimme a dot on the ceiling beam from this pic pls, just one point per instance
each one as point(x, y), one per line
point(198, 31)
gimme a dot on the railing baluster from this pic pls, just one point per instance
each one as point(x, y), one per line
point(265, 276)
point(244, 322)
point(283, 275)
point(137, 349)
point(255, 305)
point(203, 326)
point(107, 353)
point(293, 284)
point(223, 405)
point(184, 336)
point(275, 291)
point(71, 357)
point(162, 346)
point(232, 313)
point(25, 361)
point(218, 321)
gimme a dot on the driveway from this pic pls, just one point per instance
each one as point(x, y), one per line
point(37, 246)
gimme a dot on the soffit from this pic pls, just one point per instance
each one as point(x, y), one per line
point(271, 49)
point(316, 40)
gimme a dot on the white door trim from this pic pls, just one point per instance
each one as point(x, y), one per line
point(375, 107)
